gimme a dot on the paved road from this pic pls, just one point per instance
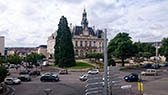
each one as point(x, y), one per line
point(57, 89)
point(153, 85)
point(68, 85)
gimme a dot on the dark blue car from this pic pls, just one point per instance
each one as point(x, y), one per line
point(133, 77)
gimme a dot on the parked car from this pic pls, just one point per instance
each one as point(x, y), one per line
point(35, 72)
point(149, 72)
point(94, 71)
point(166, 64)
point(37, 64)
point(24, 72)
point(65, 71)
point(83, 77)
point(12, 66)
point(133, 77)
point(24, 78)
point(29, 66)
point(162, 65)
point(148, 65)
point(45, 63)
point(11, 81)
point(49, 77)
point(155, 66)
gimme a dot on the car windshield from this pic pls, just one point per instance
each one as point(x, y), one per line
point(14, 78)
point(152, 70)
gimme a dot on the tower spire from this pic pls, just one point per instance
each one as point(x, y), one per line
point(84, 21)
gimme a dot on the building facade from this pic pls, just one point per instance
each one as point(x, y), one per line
point(42, 49)
point(21, 51)
point(85, 39)
point(2, 45)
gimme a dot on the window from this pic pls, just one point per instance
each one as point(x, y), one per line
point(76, 53)
point(94, 43)
point(99, 44)
point(81, 43)
point(85, 43)
point(90, 43)
point(81, 52)
point(76, 43)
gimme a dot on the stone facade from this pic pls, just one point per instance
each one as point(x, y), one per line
point(42, 49)
point(21, 51)
point(2, 43)
point(85, 39)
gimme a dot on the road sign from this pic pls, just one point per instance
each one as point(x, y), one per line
point(126, 86)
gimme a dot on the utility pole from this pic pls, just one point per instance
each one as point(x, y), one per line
point(157, 59)
point(105, 64)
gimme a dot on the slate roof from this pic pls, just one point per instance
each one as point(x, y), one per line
point(77, 30)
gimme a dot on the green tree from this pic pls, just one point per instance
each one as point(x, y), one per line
point(111, 62)
point(3, 73)
point(64, 51)
point(3, 60)
point(96, 56)
point(144, 50)
point(164, 48)
point(34, 57)
point(15, 59)
point(120, 47)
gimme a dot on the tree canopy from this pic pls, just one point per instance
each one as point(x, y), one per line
point(15, 59)
point(144, 50)
point(34, 57)
point(3, 73)
point(120, 47)
point(64, 51)
point(3, 60)
point(164, 48)
point(97, 56)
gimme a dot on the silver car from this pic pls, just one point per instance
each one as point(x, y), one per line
point(83, 77)
point(94, 71)
point(12, 81)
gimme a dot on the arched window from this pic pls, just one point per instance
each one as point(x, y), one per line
point(76, 52)
point(99, 44)
point(76, 43)
point(90, 43)
point(81, 43)
point(81, 52)
point(86, 43)
point(94, 43)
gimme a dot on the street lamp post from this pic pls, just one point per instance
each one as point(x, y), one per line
point(105, 64)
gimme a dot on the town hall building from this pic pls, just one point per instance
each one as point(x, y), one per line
point(85, 39)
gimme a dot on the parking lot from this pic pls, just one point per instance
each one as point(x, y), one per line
point(68, 85)
point(71, 85)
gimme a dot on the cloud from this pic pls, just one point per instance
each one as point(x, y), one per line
point(30, 22)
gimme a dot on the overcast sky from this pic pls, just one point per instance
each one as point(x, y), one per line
point(28, 23)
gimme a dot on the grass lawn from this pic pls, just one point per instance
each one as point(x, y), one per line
point(80, 65)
